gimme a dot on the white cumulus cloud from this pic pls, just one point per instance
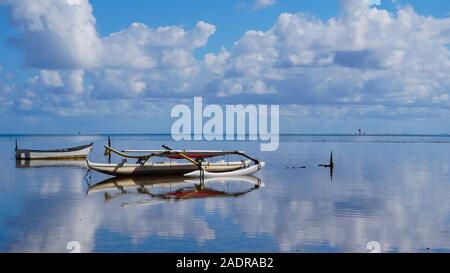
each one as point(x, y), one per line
point(364, 56)
point(56, 34)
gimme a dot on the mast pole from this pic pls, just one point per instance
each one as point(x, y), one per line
point(109, 152)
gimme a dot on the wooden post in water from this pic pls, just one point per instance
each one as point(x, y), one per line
point(109, 152)
point(16, 146)
point(331, 160)
point(331, 166)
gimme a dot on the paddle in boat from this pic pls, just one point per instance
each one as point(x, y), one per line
point(197, 164)
point(80, 152)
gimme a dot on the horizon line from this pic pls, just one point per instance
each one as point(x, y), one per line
point(169, 134)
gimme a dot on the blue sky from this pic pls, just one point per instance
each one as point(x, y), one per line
point(333, 66)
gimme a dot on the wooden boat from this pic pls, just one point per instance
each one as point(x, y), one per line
point(80, 152)
point(197, 165)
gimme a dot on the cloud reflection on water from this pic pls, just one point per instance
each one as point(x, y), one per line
point(394, 194)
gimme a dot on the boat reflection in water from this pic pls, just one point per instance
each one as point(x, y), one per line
point(173, 189)
point(78, 164)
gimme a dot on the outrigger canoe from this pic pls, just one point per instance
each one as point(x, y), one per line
point(165, 168)
point(197, 165)
point(80, 152)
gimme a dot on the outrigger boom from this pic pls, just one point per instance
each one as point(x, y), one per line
point(176, 154)
point(209, 152)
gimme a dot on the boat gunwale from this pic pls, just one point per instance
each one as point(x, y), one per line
point(175, 164)
point(65, 158)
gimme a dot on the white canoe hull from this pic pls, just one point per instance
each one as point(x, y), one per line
point(71, 153)
point(164, 169)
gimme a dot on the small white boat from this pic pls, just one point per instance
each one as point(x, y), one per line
point(80, 152)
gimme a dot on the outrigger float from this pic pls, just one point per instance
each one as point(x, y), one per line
point(197, 165)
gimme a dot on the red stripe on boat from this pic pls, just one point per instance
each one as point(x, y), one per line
point(196, 156)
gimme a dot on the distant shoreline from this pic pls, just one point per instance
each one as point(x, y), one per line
point(165, 134)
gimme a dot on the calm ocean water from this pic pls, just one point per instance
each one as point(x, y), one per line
point(394, 190)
